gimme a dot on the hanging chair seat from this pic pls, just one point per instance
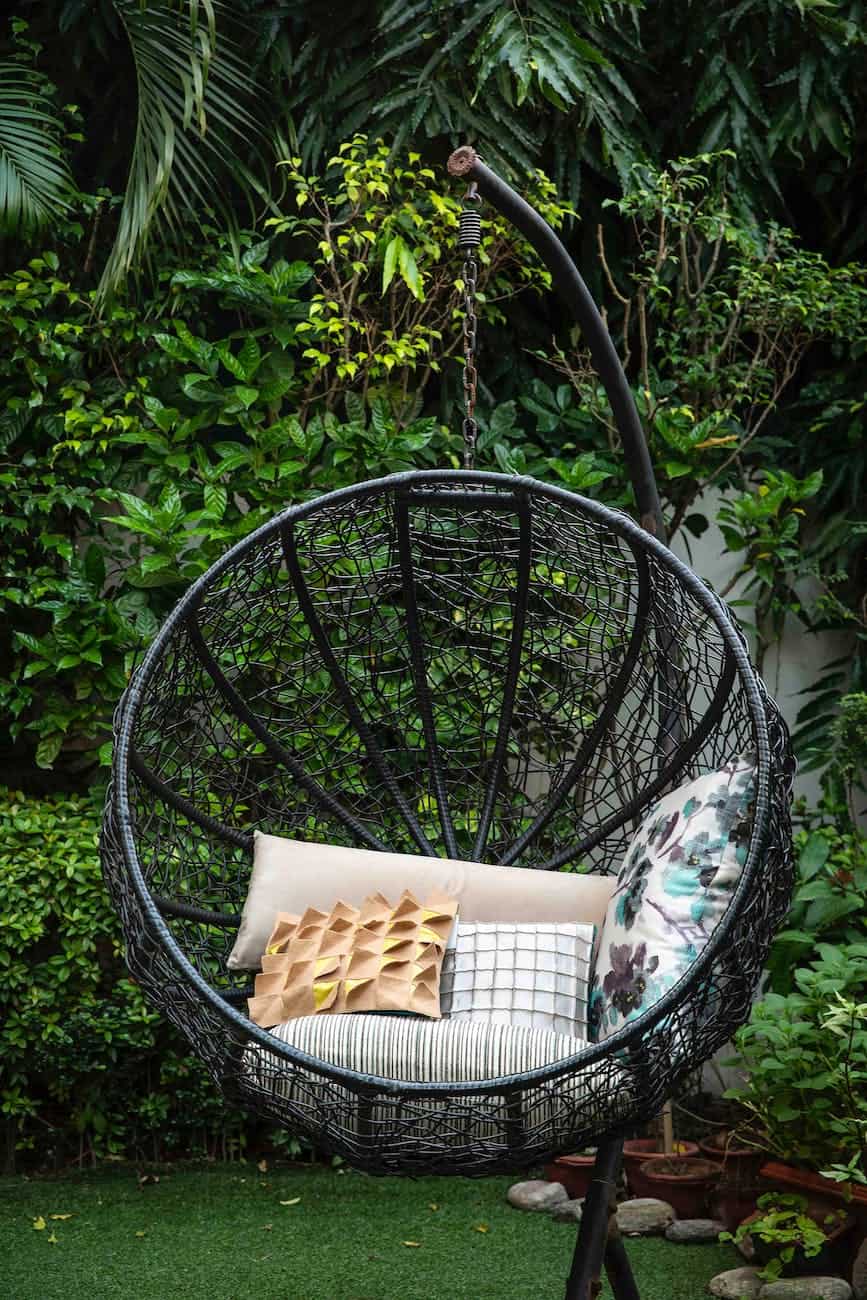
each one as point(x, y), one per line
point(449, 663)
point(439, 1052)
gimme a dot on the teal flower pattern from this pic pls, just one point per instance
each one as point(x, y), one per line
point(676, 881)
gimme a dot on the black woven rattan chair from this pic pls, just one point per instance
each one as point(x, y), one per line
point(448, 662)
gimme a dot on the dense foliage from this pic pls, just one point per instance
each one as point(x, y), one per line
point(228, 281)
point(140, 443)
point(87, 1069)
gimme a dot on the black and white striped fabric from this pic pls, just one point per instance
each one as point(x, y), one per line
point(506, 973)
point(421, 1050)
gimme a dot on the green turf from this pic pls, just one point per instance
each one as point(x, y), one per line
point(222, 1234)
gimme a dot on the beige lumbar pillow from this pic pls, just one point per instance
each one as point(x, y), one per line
point(292, 875)
point(377, 957)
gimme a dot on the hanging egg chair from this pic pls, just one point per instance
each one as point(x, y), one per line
point(465, 665)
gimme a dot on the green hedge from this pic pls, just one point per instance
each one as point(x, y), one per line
point(87, 1068)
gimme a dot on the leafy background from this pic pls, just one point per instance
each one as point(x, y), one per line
point(228, 281)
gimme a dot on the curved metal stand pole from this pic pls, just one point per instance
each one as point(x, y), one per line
point(598, 1237)
point(466, 163)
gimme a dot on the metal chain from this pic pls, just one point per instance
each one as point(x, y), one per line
point(469, 238)
point(471, 428)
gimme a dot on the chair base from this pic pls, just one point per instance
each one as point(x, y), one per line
point(599, 1242)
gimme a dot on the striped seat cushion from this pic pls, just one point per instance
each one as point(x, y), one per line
point(426, 1051)
point(437, 1051)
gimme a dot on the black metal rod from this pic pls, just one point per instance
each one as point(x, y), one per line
point(681, 756)
point(619, 1271)
point(568, 282)
point(583, 1283)
point(419, 674)
point(243, 839)
point(203, 915)
point(612, 704)
point(278, 751)
point(510, 685)
point(329, 658)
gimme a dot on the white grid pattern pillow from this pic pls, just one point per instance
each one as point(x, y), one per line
point(534, 975)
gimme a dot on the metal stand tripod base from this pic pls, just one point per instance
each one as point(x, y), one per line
point(599, 1243)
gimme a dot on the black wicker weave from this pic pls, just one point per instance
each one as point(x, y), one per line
point(443, 662)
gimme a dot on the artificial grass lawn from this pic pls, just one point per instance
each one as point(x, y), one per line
point(221, 1233)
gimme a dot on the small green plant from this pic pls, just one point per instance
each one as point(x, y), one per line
point(805, 1057)
point(785, 1225)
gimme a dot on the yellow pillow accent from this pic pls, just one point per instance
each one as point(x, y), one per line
point(323, 991)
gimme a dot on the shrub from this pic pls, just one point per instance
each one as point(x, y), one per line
point(805, 1056)
point(87, 1069)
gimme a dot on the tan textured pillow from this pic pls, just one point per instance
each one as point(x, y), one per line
point(291, 875)
point(373, 958)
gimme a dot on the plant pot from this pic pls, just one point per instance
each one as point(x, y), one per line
point(835, 1257)
point(731, 1204)
point(573, 1172)
point(741, 1164)
point(812, 1185)
point(824, 1190)
point(685, 1182)
point(637, 1151)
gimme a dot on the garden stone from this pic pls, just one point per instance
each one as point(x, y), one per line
point(736, 1284)
point(536, 1194)
point(806, 1288)
point(567, 1212)
point(694, 1230)
point(643, 1216)
point(859, 1273)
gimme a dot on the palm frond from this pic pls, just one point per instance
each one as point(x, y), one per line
point(35, 181)
point(194, 125)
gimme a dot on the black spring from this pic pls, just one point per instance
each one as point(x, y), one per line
point(470, 231)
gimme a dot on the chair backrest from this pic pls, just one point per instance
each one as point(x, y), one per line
point(474, 666)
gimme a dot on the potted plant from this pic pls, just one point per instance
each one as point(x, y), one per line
point(685, 1182)
point(638, 1151)
point(793, 1237)
point(738, 1190)
point(805, 1058)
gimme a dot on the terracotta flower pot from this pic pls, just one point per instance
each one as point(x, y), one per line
point(732, 1204)
point(683, 1181)
point(574, 1172)
point(816, 1188)
point(741, 1164)
point(637, 1151)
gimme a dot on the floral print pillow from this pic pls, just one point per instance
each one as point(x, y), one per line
point(675, 883)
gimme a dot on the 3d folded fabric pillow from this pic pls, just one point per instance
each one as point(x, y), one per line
point(377, 957)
